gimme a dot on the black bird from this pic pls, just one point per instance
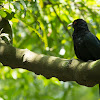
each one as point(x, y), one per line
point(86, 44)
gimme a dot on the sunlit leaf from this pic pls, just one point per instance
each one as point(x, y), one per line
point(2, 13)
point(63, 41)
point(98, 35)
point(1, 2)
point(55, 80)
point(15, 20)
point(41, 3)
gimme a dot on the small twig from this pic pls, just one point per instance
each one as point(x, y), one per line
point(5, 35)
point(1, 30)
point(65, 27)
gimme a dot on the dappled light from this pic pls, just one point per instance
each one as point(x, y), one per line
point(41, 26)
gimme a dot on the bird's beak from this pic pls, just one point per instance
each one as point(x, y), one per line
point(70, 25)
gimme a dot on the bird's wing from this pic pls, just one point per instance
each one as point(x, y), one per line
point(93, 45)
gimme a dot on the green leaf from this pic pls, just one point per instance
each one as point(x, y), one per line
point(1, 2)
point(3, 13)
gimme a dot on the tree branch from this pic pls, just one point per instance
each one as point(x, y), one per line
point(84, 73)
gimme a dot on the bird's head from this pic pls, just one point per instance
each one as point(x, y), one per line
point(79, 24)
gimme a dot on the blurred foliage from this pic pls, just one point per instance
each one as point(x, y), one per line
point(41, 26)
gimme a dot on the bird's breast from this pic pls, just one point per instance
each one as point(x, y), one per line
point(78, 41)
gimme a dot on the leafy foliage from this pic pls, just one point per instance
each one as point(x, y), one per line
point(41, 26)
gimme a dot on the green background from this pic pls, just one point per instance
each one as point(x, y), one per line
point(41, 26)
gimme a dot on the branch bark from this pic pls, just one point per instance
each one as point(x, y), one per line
point(84, 73)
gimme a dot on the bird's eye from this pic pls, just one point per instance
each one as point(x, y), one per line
point(74, 22)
